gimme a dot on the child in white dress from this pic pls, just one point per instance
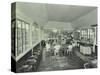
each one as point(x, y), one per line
point(57, 47)
point(69, 51)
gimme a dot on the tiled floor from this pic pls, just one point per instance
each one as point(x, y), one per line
point(52, 63)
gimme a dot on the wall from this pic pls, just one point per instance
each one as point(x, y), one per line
point(50, 25)
point(31, 13)
point(86, 20)
point(59, 25)
point(34, 11)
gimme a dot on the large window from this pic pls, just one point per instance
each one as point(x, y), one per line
point(19, 37)
point(13, 23)
point(35, 33)
point(22, 37)
point(27, 38)
point(87, 34)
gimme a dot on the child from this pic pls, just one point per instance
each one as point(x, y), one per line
point(69, 51)
point(47, 48)
point(57, 47)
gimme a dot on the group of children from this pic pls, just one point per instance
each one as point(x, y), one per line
point(52, 49)
point(56, 48)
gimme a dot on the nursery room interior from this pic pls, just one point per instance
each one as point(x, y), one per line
point(50, 37)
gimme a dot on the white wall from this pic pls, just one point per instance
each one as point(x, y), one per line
point(59, 25)
point(86, 20)
point(36, 14)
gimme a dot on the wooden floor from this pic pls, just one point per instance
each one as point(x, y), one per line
point(52, 63)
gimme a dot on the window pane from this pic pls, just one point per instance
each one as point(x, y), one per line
point(27, 38)
point(23, 35)
point(19, 37)
point(13, 37)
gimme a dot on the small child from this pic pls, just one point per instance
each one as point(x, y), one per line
point(57, 47)
point(69, 51)
point(47, 48)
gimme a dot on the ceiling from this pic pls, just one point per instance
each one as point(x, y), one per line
point(53, 12)
point(66, 13)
